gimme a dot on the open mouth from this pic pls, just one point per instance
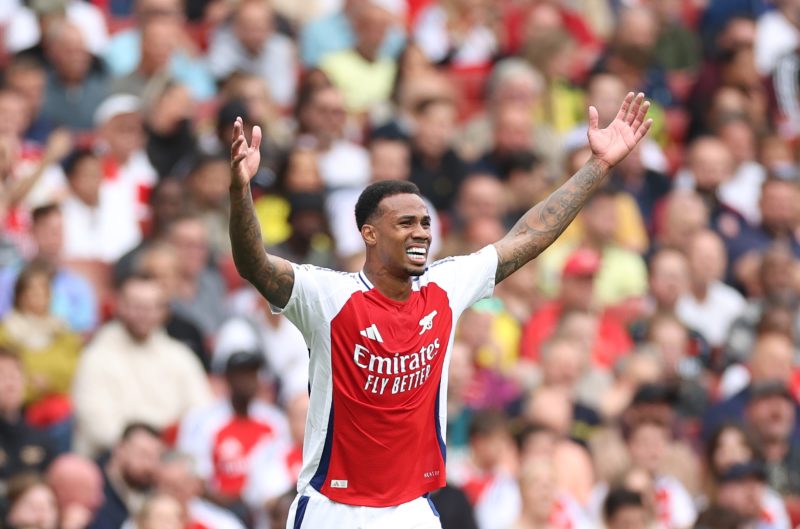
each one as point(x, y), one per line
point(417, 255)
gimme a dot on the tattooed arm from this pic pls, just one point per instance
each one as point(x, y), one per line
point(543, 223)
point(271, 275)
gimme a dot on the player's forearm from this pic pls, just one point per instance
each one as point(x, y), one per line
point(543, 223)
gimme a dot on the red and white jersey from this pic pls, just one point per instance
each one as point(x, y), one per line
point(375, 432)
point(223, 444)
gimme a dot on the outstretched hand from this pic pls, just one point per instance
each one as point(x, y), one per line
point(245, 159)
point(613, 143)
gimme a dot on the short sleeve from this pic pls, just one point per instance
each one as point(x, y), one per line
point(317, 295)
point(466, 278)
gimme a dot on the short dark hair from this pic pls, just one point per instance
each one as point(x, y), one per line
point(74, 158)
point(370, 199)
point(32, 270)
point(40, 213)
point(618, 499)
point(134, 427)
point(488, 422)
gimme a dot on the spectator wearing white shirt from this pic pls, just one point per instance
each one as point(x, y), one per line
point(99, 219)
point(710, 306)
point(250, 44)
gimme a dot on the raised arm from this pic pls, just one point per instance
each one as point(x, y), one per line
point(542, 224)
point(272, 276)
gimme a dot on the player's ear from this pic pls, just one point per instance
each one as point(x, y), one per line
point(369, 234)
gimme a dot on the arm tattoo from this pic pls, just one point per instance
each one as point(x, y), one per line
point(272, 276)
point(543, 223)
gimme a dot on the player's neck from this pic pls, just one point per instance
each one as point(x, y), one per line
point(393, 287)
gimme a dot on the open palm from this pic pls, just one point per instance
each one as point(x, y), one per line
point(245, 159)
point(616, 141)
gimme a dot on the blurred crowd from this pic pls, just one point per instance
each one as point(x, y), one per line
point(642, 373)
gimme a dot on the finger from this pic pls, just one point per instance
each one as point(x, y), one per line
point(594, 118)
point(640, 115)
point(643, 130)
point(255, 142)
point(626, 104)
point(237, 129)
point(634, 109)
point(237, 145)
point(239, 158)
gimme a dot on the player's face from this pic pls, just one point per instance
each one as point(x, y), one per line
point(403, 234)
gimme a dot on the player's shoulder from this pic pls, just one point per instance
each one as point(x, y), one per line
point(454, 264)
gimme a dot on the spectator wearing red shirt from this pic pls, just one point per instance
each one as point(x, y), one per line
point(577, 284)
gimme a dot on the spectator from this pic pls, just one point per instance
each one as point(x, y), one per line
point(160, 260)
point(435, 167)
point(543, 505)
point(74, 86)
point(335, 32)
point(251, 44)
point(26, 28)
point(121, 144)
point(48, 349)
point(771, 360)
point(100, 219)
point(459, 32)
point(480, 196)
point(777, 289)
point(27, 77)
point(648, 441)
point(199, 286)
point(178, 478)
point(512, 81)
point(166, 47)
point(630, 55)
point(242, 421)
point(72, 298)
point(731, 445)
point(150, 375)
point(364, 76)
point(322, 118)
point(26, 449)
point(77, 483)
point(512, 132)
point(31, 503)
point(740, 489)
point(710, 306)
point(490, 488)
point(771, 414)
point(577, 284)
point(129, 475)
point(668, 279)
point(684, 215)
point(742, 192)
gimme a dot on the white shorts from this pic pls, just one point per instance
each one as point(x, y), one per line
point(312, 510)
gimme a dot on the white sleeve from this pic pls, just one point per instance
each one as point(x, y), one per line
point(466, 278)
point(317, 295)
point(684, 512)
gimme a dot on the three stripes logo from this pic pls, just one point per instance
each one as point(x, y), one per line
point(372, 333)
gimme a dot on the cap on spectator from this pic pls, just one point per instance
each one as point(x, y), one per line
point(583, 262)
point(740, 471)
point(770, 388)
point(114, 106)
point(244, 360)
point(42, 7)
point(396, 8)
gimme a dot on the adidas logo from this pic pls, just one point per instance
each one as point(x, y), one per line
point(372, 333)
